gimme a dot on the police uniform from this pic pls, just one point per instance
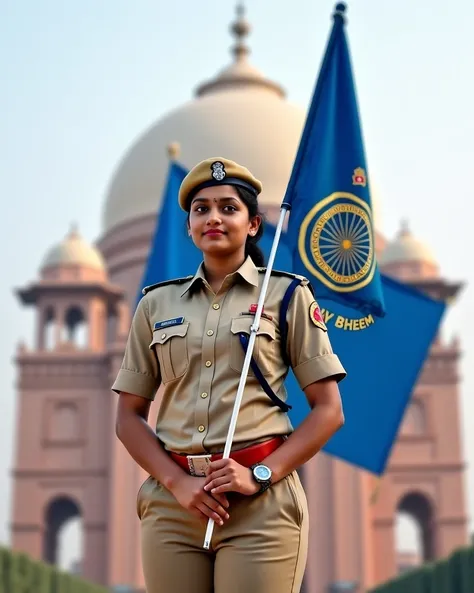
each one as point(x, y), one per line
point(187, 338)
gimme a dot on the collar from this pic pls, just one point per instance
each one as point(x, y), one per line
point(247, 271)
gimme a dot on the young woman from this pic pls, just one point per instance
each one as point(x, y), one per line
point(187, 335)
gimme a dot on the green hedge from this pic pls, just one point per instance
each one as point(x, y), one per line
point(455, 574)
point(21, 574)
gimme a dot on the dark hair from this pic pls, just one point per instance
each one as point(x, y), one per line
point(251, 247)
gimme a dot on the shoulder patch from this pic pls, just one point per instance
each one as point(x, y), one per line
point(316, 316)
point(151, 287)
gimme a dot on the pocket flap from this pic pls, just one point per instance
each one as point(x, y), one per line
point(242, 325)
point(161, 336)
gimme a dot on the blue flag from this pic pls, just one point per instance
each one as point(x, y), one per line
point(330, 229)
point(383, 359)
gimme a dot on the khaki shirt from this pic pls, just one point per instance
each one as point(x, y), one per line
point(198, 357)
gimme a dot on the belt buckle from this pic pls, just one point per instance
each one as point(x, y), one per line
point(198, 464)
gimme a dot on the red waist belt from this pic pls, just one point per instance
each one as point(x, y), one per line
point(246, 457)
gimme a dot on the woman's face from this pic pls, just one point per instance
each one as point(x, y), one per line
point(219, 221)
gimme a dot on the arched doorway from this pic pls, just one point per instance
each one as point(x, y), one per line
point(49, 329)
point(62, 544)
point(76, 327)
point(415, 537)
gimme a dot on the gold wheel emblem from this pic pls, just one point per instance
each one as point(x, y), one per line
point(336, 242)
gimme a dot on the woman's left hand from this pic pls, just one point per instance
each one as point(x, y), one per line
point(226, 475)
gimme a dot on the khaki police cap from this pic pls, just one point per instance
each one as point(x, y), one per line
point(216, 171)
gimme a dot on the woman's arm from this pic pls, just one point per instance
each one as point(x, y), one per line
point(138, 438)
point(318, 371)
point(326, 417)
point(324, 420)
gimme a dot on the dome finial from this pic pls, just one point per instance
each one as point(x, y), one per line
point(174, 150)
point(240, 29)
point(240, 74)
point(404, 228)
point(73, 230)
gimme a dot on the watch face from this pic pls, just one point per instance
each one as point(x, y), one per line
point(262, 473)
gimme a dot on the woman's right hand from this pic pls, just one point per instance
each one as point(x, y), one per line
point(189, 492)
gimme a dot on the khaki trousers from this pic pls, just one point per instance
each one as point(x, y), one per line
point(262, 548)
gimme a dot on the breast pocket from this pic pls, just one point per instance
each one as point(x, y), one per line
point(171, 347)
point(264, 348)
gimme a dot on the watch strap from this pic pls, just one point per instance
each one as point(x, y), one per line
point(263, 485)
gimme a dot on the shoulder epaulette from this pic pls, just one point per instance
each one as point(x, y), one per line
point(282, 273)
point(304, 281)
point(165, 283)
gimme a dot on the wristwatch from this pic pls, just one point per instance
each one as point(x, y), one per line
point(262, 475)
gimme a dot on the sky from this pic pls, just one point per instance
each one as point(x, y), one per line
point(82, 80)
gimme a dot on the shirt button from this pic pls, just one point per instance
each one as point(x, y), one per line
point(208, 363)
point(216, 306)
point(210, 332)
point(163, 336)
point(204, 395)
point(201, 428)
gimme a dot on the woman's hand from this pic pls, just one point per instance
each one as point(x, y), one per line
point(189, 492)
point(226, 475)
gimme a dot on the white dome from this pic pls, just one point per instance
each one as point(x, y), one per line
point(406, 248)
point(73, 250)
point(252, 126)
point(239, 115)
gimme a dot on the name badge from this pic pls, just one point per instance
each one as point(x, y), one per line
point(168, 323)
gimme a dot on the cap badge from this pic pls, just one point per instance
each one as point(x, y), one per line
point(218, 171)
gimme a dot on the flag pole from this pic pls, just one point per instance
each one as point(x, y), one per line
point(285, 207)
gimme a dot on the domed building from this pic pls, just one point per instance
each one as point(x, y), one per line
point(408, 258)
point(72, 465)
point(73, 257)
point(239, 114)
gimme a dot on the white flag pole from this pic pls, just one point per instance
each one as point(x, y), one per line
point(245, 369)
